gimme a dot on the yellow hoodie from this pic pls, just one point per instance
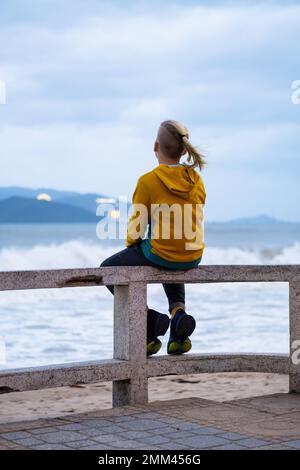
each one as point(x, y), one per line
point(169, 202)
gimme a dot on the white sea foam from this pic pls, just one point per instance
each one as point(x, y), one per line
point(80, 254)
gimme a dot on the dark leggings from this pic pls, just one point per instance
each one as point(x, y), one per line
point(133, 256)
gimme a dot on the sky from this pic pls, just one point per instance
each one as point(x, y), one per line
point(89, 81)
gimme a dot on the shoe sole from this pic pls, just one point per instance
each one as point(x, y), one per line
point(185, 327)
point(161, 325)
point(153, 347)
point(176, 348)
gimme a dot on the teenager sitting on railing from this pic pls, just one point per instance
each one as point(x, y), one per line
point(168, 201)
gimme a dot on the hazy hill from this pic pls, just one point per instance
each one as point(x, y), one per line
point(85, 201)
point(257, 220)
point(18, 209)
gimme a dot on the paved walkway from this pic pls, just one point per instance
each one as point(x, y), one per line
point(267, 422)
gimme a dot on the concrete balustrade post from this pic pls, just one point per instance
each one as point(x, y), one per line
point(130, 330)
point(294, 370)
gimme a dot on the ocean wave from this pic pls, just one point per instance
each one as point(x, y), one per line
point(79, 254)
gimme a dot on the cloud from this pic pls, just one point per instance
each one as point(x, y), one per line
point(86, 92)
point(69, 155)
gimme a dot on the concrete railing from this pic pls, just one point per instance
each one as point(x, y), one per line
point(130, 369)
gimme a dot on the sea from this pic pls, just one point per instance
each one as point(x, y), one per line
point(54, 326)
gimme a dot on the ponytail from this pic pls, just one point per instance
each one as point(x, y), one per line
point(195, 158)
point(174, 141)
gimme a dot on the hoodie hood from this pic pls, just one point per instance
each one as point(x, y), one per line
point(182, 181)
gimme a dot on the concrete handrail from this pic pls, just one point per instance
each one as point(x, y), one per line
point(129, 369)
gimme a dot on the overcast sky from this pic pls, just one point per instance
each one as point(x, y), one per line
point(89, 81)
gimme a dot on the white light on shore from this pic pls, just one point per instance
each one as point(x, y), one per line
point(115, 214)
point(44, 197)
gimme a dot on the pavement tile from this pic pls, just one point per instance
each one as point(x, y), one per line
point(72, 427)
point(205, 430)
point(51, 447)
point(111, 428)
point(155, 440)
point(204, 442)
point(148, 415)
point(169, 420)
point(175, 435)
point(273, 447)
point(174, 446)
point(108, 438)
point(146, 447)
point(29, 442)
point(232, 446)
point(141, 424)
point(187, 426)
point(61, 437)
point(96, 447)
point(122, 419)
point(124, 444)
point(232, 436)
point(90, 432)
point(294, 444)
point(251, 442)
point(8, 444)
point(81, 444)
point(45, 430)
point(134, 435)
point(12, 436)
point(96, 422)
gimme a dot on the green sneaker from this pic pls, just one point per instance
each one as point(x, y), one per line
point(182, 326)
point(153, 347)
point(157, 325)
point(177, 347)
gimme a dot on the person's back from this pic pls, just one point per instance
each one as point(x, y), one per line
point(173, 197)
point(166, 230)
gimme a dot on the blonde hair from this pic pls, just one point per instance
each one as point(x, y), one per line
point(173, 138)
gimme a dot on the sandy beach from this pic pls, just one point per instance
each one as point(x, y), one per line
point(19, 406)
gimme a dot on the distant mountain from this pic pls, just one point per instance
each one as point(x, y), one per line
point(257, 220)
point(85, 201)
point(261, 219)
point(18, 209)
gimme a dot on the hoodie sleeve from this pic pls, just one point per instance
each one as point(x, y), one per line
point(139, 220)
